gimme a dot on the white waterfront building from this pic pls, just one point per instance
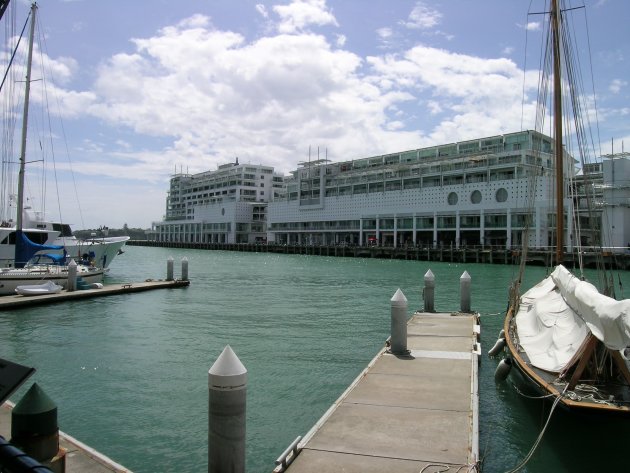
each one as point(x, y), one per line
point(476, 192)
point(494, 191)
point(228, 205)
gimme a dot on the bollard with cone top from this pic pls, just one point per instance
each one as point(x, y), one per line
point(464, 290)
point(184, 269)
point(429, 292)
point(34, 429)
point(169, 268)
point(227, 386)
point(399, 323)
point(72, 276)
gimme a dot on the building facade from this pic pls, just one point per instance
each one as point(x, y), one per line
point(494, 191)
point(228, 205)
point(476, 192)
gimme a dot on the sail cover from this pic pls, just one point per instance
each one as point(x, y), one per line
point(607, 318)
point(25, 249)
point(556, 315)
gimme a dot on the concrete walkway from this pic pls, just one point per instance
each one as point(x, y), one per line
point(79, 457)
point(405, 414)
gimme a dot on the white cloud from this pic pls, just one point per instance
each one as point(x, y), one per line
point(208, 95)
point(616, 85)
point(262, 10)
point(341, 40)
point(384, 33)
point(533, 26)
point(423, 17)
point(477, 96)
point(299, 14)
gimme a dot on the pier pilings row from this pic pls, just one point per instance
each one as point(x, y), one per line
point(488, 255)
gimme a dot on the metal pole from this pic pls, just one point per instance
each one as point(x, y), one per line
point(20, 196)
point(227, 402)
point(399, 323)
point(429, 292)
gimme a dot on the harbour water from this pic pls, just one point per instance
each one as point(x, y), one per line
point(129, 372)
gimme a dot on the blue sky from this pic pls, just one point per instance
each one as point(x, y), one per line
point(147, 87)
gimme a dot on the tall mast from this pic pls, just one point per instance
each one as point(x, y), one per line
point(557, 116)
point(20, 197)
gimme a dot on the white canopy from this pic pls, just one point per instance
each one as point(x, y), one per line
point(556, 315)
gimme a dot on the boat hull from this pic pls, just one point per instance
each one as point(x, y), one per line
point(534, 382)
point(99, 251)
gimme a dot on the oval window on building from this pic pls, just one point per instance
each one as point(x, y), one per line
point(452, 198)
point(475, 197)
point(223, 211)
point(501, 195)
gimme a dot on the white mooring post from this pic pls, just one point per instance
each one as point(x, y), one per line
point(184, 269)
point(227, 393)
point(464, 291)
point(429, 292)
point(169, 268)
point(399, 323)
point(71, 285)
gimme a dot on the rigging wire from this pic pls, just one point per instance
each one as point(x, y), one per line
point(520, 466)
point(44, 47)
point(9, 120)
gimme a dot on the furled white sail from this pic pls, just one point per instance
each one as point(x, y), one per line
point(607, 318)
point(556, 315)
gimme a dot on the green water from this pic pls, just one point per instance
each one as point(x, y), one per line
point(129, 372)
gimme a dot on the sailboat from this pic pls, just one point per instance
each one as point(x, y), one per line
point(49, 266)
point(98, 249)
point(564, 340)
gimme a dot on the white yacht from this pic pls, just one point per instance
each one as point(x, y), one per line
point(99, 251)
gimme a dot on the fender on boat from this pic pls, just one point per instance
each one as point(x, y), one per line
point(498, 346)
point(503, 369)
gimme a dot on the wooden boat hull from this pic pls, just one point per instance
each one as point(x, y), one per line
point(540, 383)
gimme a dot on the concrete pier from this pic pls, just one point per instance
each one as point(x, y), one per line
point(79, 457)
point(405, 413)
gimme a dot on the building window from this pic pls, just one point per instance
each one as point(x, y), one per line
point(452, 198)
point(475, 197)
point(501, 195)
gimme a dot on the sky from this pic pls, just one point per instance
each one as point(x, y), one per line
point(144, 89)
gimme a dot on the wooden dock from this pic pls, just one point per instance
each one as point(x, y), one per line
point(79, 457)
point(18, 301)
point(405, 414)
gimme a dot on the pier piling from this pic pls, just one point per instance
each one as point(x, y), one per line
point(227, 386)
point(399, 324)
point(464, 291)
point(429, 292)
point(184, 269)
point(169, 268)
point(72, 276)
